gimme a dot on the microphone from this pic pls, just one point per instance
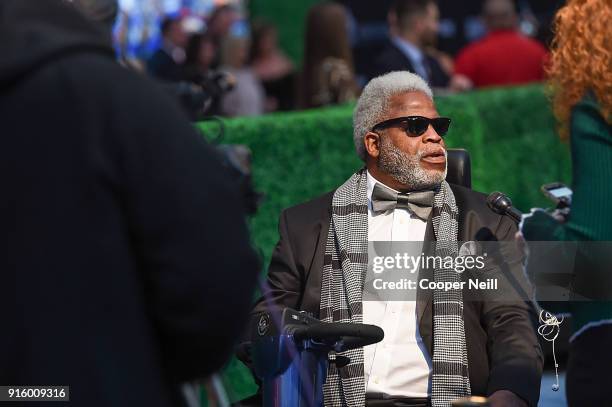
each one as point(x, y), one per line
point(501, 204)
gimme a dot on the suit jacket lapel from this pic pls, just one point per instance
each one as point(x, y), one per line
point(402, 59)
point(314, 276)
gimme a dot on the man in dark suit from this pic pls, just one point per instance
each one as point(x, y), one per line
point(166, 62)
point(122, 234)
point(413, 28)
point(322, 252)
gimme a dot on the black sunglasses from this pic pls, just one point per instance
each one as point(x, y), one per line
point(416, 125)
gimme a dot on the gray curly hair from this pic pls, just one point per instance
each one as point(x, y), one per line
point(373, 104)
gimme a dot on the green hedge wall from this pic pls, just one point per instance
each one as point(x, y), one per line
point(509, 132)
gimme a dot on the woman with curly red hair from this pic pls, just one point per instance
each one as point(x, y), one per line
point(580, 82)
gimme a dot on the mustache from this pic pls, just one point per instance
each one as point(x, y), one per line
point(435, 151)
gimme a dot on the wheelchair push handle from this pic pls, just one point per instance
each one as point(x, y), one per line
point(346, 336)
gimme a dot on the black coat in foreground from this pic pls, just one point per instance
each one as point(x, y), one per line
point(126, 264)
point(503, 350)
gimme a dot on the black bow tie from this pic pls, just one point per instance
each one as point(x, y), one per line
point(419, 202)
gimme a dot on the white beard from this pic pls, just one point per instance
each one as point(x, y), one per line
point(406, 169)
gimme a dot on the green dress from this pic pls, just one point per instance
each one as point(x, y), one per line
point(591, 213)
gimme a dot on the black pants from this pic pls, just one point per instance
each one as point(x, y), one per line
point(589, 368)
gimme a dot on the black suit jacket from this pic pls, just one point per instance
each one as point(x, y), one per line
point(162, 66)
point(503, 351)
point(392, 58)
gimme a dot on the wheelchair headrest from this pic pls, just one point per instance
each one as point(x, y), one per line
point(459, 167)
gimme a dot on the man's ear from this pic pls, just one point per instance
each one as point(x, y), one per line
point(372, 144)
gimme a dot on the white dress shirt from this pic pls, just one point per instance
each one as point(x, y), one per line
point(400, 365)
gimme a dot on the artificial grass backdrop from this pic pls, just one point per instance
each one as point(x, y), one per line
point(509, 132)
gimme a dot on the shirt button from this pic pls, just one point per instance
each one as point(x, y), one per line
point(375, 379)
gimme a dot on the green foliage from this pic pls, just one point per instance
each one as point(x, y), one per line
point(510, 134)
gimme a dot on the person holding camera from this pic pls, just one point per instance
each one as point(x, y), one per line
point(581, 79)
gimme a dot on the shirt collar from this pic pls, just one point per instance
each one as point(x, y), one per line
point(371, 181)
point(410, 50)
point(175, 52)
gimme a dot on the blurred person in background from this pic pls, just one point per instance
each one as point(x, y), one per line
point(166, 62)
point(247, 98)
point(413, 27)
point(273, 68)
point(581, 82)
point(198, 72)
point(218, 27)
point(122, 233)
point(328, 76)
point(200, 55)
point(504, 56)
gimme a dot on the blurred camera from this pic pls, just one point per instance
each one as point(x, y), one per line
point(200, 96)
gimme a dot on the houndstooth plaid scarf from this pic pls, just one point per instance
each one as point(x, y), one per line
point(344, 269)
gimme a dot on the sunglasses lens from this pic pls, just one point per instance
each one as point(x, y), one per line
point(441, 125)
point(415, 126)
point(418, 125)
